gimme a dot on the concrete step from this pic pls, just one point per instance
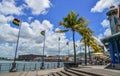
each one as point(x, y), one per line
point(76, 73)
point(85, 72)
point(68, 73)
point(61, 74)
point(55, 74)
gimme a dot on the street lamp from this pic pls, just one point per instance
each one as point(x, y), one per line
point(59, 31)
point(58, 53)
point(68, 48)
point(42, 63)
point(18, 23)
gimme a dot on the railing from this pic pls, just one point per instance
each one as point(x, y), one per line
point(5, 67)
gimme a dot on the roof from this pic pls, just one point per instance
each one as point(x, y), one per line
point(106, 40)
point(110, 37)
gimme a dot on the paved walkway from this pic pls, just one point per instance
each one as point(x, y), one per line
point(100, 70)
point(31, 73)
point(93, 69)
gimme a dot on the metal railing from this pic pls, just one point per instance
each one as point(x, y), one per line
point(5, 67)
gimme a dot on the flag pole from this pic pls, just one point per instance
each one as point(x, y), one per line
point(13, 68)
point(42, 63)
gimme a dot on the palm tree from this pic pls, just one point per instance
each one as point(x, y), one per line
point(72, 21)
point(87, 41)
point(86, 34)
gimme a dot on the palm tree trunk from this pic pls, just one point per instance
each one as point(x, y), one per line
point(85, 53)
point(89, 55)
point(74, 46)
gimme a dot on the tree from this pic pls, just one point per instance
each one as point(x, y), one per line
point(86, 34)
point(88, 43)
point(72, 21)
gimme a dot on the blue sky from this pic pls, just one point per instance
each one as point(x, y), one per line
point(38, 15)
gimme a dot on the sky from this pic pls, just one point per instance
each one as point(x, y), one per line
point(39, 15)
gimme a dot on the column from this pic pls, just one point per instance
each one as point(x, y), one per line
point(116, 47)
point(112, 52)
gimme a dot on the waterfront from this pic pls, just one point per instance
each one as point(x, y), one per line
point(5, 66)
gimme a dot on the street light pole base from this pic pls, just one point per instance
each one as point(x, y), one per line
point(13, 69)
point(58, 66)
point(42, 66)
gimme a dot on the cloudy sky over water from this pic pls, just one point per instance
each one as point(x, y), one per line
point(39, 15)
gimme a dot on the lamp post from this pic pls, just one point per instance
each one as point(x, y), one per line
point(18, 23)
point(42, 63)
point(58, 65)
point(68, 48)
point(59, 31)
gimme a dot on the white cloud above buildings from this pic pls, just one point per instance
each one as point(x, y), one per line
point(107, 32)
point(103, 4)
point(105, 23)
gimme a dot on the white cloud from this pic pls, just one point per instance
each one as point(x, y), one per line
point(100, 36)
point(6, 50)
point(102, 4)
point(8, 33)
point(30, 18)
point(8, 7)
point(38, 6)
point(5, 19)
point(107, 32)
point(31, 41)
point(105, 23)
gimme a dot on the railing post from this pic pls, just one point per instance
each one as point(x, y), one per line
point(35, 67)
point(24, 67)
point(54, 65)
point(48, 66)
point(0, 67)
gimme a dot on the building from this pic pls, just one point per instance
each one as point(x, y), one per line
point(112, 42)
point(114, 19)
point(29, 57)
point(52, 58)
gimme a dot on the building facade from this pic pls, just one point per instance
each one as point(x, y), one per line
point(114, 19)
point(113, 42)
point(29, 57)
